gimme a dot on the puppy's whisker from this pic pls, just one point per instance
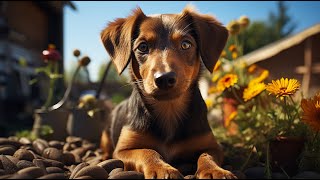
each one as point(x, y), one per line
point(184, 31)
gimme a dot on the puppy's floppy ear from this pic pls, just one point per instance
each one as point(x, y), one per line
point(117, 37)
point(211, 36)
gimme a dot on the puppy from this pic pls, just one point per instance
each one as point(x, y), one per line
point(162, 129)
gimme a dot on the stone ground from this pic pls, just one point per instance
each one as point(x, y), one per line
point(77, 158)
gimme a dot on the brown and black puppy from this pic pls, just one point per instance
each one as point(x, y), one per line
point(162, 130)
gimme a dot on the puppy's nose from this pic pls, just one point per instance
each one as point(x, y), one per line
point(166, 80)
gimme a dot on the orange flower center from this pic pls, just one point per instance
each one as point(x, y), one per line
point(227, 79)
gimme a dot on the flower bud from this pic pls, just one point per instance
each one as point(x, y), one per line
point(84, 61)
point(233, 27)
point(244, 21)
point(51, 54)
point(76, 53)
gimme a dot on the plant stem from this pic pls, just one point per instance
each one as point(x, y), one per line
point(287, 114)
point(268, 170)
point(236, 96)
point(247, 160)
point(51, 86)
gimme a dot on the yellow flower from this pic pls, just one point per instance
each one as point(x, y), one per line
point(227, 81)
point(244, 21)
point(311, 112)
point(217, 66)
point(252, 68)
point(233, 48)
point(252, 91)
point(234, 55)
point(283, 87)
point(230, 118)
point(215, 77)
point(212, 89)
point(262, 77)
point(209, 102)
point(223, 54)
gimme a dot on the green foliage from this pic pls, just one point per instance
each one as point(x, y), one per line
point(112, 75)
point(261, 33)
point(45, 131)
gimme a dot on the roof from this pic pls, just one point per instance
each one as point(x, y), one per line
point(276, 47)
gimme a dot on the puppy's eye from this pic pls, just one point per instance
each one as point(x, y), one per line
point(143, 47)
point(185, 45)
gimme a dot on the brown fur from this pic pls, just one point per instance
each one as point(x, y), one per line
point(159, 130)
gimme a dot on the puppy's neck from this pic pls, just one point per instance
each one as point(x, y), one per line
point(169, 114)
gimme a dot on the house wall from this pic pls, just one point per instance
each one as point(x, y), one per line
point(28, 20)
point(285, 63)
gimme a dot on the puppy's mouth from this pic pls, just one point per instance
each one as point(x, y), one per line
point(163, 95)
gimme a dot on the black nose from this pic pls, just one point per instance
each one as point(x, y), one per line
point(165, 80)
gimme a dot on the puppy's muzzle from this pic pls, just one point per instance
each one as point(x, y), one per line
point(165, 81)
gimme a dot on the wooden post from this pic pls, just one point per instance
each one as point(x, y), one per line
point(309, 68)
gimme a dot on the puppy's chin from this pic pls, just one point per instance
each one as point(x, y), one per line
point(165, 95)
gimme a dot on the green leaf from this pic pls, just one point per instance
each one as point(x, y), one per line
point(55, 76)
point(33, 81)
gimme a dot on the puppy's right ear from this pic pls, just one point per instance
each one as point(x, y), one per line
point(117, 38)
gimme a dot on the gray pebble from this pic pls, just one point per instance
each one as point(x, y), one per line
point(96, 172)
point(74, 140)
point(111, 164)
point(24, 164)
point(68, 158)
point(7, 150)
point(116, 170)
point(23, 154)
point(25, 141)
point(40, 163)
point(33, 172)
point(40, 145)
point(127, 175)
point(50, 162)
point(53, 176)
point(79, 151)
point(8, 166)
point(51, 170)
point(19, 176)
point(94, 161)
point(84, 177)
point(56, 144)
point(53, 153)
point(89, 153)
point(67, 147)
point(12, 159)
point(6, 141)
point(77, 169)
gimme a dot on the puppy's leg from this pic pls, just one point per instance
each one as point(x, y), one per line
point(138, 152)
point(149, 162)
point(209, 164)
point(106, 145)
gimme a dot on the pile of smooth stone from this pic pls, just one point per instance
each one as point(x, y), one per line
point(75, 158)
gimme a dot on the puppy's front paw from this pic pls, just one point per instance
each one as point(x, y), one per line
point(162, 171)
point(214, 173)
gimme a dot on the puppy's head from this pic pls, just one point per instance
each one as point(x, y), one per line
point(164, 51)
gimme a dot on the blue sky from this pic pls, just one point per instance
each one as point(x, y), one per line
point(82, 27)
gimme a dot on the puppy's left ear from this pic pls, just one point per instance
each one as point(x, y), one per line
point(211, 36)
point(117, 38)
